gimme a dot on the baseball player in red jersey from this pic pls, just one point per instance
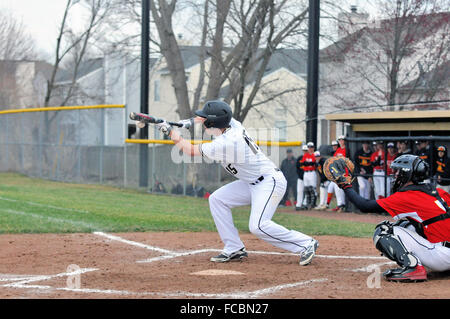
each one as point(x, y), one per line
point(309, 176)
point(341, 150)
point(332, 187)
point(377, 160)
point(420, 237)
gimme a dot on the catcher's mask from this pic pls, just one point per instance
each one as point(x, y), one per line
point(216, 113)
point(408, 168)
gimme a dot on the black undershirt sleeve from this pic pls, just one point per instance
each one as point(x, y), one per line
point(364, 205)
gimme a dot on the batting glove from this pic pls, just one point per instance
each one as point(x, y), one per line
point(165, 128)
point(140, 124)
point(187, 124)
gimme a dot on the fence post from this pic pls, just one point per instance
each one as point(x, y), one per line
point(21, 145)
point(79, 147)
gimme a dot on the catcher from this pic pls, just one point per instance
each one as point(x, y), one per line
point(420, 236)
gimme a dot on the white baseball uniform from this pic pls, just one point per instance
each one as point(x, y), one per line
point(260, 184)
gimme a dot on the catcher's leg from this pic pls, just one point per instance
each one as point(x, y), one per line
point(434, 256)
point(221, 202)
point(391, 245)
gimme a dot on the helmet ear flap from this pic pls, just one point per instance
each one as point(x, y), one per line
point(421, 171)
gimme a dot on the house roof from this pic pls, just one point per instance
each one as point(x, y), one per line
point(438, 77)
point(87, 67)
point(292, 59)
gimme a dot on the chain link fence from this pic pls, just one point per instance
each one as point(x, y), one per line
point(87, 145)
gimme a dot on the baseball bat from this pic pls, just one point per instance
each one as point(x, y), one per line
point(141, 117)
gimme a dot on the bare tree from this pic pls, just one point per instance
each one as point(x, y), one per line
point(73, 45)
point(236, 39)
point(15, 46)
point(15, 43)
point(387, 61)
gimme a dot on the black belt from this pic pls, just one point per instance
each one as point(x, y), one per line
point(261, 178)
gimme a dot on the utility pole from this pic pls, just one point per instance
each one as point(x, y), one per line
point(145, 60)
point(312, 94)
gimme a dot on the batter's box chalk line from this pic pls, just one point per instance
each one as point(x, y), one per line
point(169, 254)
point(26, 282)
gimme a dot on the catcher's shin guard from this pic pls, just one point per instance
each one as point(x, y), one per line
point(392, 247)
point(313, 197)
point(310, 197)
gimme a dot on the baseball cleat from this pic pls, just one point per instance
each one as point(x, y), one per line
point(415, 274)
point(236, 256)
point(307, 256)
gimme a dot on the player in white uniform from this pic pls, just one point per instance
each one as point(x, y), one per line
point(260, 184)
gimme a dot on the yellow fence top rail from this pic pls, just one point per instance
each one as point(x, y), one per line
point(265, 143)
point(62, 108)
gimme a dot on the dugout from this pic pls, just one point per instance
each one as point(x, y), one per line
point(432, 125)
point(392, 126)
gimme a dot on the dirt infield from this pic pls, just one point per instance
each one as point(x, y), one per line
point(166, 265)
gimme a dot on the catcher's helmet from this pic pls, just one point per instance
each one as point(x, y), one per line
point(409, 168)
point(217, 114)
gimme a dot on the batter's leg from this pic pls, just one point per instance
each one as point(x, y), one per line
point(265, 199)
point(221, 202)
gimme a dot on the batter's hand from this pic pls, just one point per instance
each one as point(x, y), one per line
point(164, 127)
point(187, 124)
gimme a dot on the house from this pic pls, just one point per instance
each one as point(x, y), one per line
point(112, 79)
point(357, 72)
point(277, 116)
point(23, 83)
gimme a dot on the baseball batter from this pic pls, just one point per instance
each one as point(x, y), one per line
point(259, 184)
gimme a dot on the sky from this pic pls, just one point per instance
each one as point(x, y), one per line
point(42, 17)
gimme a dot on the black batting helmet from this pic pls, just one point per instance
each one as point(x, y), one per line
point(410, 168)
point(217, 114)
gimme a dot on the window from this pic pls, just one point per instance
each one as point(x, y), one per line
point(282, 130)
point(156, 90)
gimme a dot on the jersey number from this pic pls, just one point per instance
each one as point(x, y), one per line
point(231, 169)
point(250, 143)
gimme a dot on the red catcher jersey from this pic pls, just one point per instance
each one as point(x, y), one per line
point(420, 207)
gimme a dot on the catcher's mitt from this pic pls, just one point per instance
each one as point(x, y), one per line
point(339, 170)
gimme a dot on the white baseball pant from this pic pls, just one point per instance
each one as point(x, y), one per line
point(300, 190)
point(378, 183)
point(324, 193)
point(364, 187)
point(264, 198)
point(340, 194)
point(433, 256)
point(310, 179)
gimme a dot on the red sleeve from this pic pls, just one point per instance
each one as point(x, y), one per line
point(396, 204)
point(444, 195)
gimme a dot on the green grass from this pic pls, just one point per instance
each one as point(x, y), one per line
point(29, 205)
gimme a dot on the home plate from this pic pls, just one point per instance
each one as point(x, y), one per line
point(217, 272)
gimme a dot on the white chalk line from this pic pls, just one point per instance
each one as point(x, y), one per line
point(49, 218)
point(133, 243)
point(174, 254)
point(24, 283)
point(44, 205)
